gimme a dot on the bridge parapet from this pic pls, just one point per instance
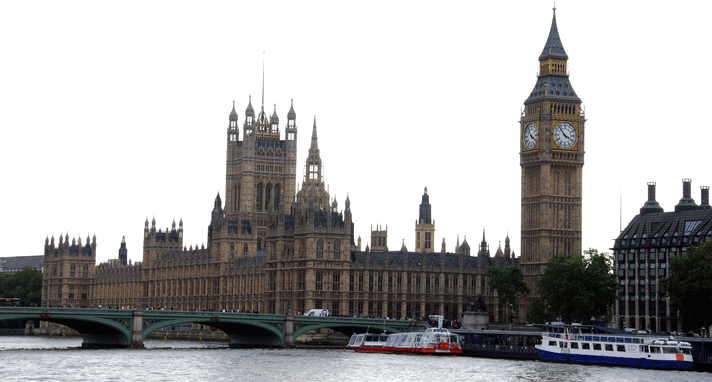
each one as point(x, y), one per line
point(124, 328)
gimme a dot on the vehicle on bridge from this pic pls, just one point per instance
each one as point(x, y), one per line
point(10, 301)
point(317, 313)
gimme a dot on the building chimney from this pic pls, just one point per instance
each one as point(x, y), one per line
point(686, 203)
point(705, 198)
point(651, 205)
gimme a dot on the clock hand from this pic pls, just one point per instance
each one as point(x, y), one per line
point(564, 133)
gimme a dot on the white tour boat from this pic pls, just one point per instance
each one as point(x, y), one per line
point(585, 344)
point(369, 343)
point(432, 341)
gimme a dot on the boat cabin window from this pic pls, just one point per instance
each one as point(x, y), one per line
point(391, 340)
point(686, 350)
point(596, 346)
point(645, 349)
point(620, 347)
point(552, 343)
point(562, 344)
point(586, 346)
point(670, 350)
point(574, 345)
point(654, 349)
point(609, 347)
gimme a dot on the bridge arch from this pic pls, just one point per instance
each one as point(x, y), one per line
point(242, 331)
point(347, 327)
point(113, 330)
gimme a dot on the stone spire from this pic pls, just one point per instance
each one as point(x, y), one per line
point(553, 48)
point(425, 209)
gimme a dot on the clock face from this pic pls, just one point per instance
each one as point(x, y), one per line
point(531, 136)
point(565, 135)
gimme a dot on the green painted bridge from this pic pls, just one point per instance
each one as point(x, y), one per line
point(128, 328)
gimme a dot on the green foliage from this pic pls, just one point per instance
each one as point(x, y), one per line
point(25, 284)
point(537, 311)
point(689, 286)
point(508, 282)
point(577, 288)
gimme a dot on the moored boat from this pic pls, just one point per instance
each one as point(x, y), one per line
point(583, 344)
point(369, 343)
point(432, 341)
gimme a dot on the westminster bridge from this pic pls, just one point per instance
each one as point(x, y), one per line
point(128, 328)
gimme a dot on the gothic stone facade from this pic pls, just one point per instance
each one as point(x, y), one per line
point(273, 249)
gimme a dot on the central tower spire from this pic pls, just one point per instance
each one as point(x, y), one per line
point(263, 80)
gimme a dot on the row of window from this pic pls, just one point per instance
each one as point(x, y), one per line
point(642, 266)
point(621, 348)
point(651, 273)
point(394, 283)
point(336, 250)
point(588, 346)
point(57, 271)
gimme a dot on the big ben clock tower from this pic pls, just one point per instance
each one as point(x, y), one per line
point(551, 158)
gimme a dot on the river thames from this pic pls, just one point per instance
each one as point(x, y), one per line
point(61, 359)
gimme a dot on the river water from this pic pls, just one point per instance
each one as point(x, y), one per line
point(61, 359)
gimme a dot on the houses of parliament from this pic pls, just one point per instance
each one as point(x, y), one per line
point(275, 248)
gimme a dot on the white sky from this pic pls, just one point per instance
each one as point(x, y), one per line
point(114, 112)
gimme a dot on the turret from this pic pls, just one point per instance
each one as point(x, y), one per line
point(274, 121)
point(232, 130)
point(291, 130)
point(249, 126)
point(424, 217)
point(123, 252)
point(425, 226)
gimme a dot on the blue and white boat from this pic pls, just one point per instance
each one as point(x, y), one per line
point(586, 344)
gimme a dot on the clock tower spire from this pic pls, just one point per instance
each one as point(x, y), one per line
point(551, 159)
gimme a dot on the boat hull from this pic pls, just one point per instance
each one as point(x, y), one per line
point(614, 361)
point(428, 351)
point(370, 349)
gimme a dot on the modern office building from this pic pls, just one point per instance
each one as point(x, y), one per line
point(642, 254)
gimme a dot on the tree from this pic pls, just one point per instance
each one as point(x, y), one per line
point(689, 286)
point(576, 288)
point(25, 284)
point(508, 282)
point(537, 311)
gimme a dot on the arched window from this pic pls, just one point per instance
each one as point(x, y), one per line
point(337, 250)
point(258, 197)
point(244, 250)
point(277, 192)
point(320, 249)
point(268, 195)
point(313, 171)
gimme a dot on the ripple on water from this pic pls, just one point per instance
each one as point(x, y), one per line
point(60, 359)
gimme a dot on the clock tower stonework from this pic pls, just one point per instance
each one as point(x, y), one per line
point(551, 159)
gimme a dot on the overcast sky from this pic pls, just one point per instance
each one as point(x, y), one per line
point(115, 112)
